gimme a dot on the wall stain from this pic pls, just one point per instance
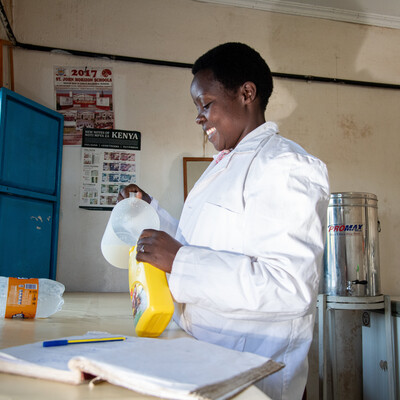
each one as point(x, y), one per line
point(353, 131)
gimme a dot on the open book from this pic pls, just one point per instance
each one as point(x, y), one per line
point(183, 368)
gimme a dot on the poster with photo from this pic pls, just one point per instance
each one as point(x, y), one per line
point(110, 160)
point(84, 96)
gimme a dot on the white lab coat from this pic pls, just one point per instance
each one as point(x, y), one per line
point(253, 233)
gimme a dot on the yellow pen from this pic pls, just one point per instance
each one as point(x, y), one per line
point(64, 342)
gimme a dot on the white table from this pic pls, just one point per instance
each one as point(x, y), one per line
point(82, 312)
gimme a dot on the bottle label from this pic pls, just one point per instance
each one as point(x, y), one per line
point(140, 301)
point(22, 297)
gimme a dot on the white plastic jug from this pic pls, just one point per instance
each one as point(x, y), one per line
point(127, 221)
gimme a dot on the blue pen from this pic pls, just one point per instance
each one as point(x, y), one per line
point(64, 342)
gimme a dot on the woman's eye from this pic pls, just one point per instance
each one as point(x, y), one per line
point(207, 105)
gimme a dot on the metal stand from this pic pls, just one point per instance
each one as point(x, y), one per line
point(325, 330)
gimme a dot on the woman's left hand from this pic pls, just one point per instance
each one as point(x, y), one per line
point(157, 248)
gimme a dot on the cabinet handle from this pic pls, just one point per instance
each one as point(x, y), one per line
point(383, 365)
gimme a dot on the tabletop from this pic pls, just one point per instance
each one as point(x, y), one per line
point(81, 313)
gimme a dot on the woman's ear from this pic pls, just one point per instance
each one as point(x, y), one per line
point(249, 92)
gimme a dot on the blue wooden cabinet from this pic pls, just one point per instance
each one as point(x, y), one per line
point(31, 138)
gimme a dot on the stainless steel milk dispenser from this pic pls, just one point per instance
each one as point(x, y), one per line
point(351, 258)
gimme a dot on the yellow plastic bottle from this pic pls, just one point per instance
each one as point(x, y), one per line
point(152, 303)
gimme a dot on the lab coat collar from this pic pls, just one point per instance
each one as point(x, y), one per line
point(252, 140)
point(248, 144)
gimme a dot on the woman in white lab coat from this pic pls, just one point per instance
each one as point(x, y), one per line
point(245, 258)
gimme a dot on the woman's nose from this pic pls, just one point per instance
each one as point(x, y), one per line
point(200, 119)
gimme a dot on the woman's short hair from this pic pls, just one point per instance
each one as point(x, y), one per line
point(236, 63)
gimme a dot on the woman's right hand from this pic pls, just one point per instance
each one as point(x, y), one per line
point(132, 188)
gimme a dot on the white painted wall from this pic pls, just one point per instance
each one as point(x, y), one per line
point(354, 130)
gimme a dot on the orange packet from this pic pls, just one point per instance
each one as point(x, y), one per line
point(22, 297)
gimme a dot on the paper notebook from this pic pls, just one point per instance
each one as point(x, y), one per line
point(183, 368)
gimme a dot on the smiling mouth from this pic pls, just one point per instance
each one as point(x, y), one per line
point(211, 132)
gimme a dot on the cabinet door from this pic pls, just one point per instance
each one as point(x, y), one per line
point(29, 148)
point(375, 369)
point(26, 227)
point(30, 181)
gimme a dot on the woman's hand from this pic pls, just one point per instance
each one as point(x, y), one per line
point(140, 194)
point(157, 248)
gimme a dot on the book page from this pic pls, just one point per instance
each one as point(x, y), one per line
point(52, 362)
point(178, 368)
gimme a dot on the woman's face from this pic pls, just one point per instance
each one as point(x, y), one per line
point(221, 112)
